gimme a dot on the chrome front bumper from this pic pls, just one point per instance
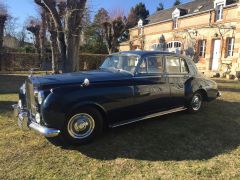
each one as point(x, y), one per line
point(26, 123)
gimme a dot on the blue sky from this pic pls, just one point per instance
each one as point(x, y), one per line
point(24, 8)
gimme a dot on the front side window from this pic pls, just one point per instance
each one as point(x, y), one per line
point(121, 62)
point(219, 11)
point(151, 65)
point(230, 46)
point(202, 48)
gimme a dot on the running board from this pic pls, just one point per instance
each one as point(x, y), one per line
point(149, 116)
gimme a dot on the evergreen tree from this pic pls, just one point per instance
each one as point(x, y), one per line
point(177, 2)
point(160, 7)
point(136, 13)
point(94, 33)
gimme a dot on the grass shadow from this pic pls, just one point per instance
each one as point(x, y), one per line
point(176, 137)
point(6, 106)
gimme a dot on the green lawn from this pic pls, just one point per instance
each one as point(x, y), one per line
point(179, 146)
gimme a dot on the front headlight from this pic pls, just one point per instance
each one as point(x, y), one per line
point(40, 97)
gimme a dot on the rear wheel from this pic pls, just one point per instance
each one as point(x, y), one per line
point(195, 103)
point(82, 126)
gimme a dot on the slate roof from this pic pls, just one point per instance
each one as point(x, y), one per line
point(190, 8)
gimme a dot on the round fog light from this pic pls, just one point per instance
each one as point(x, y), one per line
point(38, 118)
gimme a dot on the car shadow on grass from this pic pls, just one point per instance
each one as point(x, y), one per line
point(6, 106)
point(178, 137)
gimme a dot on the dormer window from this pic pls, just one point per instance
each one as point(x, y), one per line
point(219, 12)
point(175, 16)
point(219, 4)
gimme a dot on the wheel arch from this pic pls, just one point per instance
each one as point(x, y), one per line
point(204, 94)
point(192, 86)
point(77, 107)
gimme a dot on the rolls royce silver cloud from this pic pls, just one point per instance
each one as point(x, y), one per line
point(128, 87)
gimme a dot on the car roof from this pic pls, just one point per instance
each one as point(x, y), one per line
point(144, 53)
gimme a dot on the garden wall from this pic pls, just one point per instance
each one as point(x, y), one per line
point(27, 61)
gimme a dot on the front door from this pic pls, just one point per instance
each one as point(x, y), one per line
point(151, 89)
point(216, 54)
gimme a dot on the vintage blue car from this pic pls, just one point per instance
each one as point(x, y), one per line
point(128, 87)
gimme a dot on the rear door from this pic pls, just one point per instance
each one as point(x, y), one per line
point(151, 89)
point(177, 73)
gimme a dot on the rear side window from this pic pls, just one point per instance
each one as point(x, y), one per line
point(173, 64)
point(151, 65)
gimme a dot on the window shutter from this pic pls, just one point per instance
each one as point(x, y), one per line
point(226, 47)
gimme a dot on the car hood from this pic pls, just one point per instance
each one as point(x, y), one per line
point(78, 77)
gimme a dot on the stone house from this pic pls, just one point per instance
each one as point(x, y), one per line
point(10, 42)
point(208, 31)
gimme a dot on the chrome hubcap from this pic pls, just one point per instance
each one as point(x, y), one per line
point(196, 102)
point(81, 126)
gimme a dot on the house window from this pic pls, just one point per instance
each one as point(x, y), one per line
point(202, 48)
point(175, 23)
point(169, 45)
point(157, 46)
point(177, 44)
point(174, 44)
point(219, 11)
point(230, 47)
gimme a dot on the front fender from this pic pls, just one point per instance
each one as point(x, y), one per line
point(61, 102)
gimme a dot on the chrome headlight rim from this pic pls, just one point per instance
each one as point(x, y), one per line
point(23, 88)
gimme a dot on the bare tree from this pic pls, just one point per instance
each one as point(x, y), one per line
point(11, 26)
point(67, 18)
point(113, 30)
point(3, 19)
point(33, 25)
point(22, 36)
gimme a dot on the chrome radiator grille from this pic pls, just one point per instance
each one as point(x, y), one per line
point(31, 103)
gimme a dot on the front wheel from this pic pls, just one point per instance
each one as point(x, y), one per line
point(195, 103)
point(82, 126)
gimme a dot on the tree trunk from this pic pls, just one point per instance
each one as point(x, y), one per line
point(3, 19)
point(43, 38)
point(68, 37)
point(53, 43)
point(73, 28)
point(54, 49)
point(50, 5)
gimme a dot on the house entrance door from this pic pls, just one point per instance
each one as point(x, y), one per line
point(216, 54)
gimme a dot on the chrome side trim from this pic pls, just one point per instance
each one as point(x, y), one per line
point(149, 116)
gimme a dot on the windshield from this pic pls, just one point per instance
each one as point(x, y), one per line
point(121, 62)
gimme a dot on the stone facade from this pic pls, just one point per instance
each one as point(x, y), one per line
point(213, 44)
